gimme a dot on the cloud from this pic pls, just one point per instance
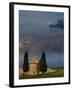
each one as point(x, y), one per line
point(55, 43)
point(58, 24)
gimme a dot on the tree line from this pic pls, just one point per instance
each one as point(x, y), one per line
point(42, 63)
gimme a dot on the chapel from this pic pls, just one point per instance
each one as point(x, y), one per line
point(33, 66)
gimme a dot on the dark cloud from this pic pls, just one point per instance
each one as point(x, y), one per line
point(58, 24)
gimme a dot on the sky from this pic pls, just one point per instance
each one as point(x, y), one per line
point(35, 33)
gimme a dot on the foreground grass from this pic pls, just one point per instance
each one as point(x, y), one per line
point(57, 73)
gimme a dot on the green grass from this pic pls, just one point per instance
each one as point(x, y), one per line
point(57, 73)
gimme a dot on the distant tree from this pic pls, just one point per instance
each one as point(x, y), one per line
point(25, 64)
point(42, 63)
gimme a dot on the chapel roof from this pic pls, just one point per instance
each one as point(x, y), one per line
point(33, 61)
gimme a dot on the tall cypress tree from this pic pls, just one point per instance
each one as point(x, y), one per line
point(25, 64)
point(42, 63)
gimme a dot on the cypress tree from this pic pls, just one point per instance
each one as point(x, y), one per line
point(25, 64)
point(42, 63)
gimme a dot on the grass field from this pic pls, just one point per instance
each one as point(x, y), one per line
point(56, 73)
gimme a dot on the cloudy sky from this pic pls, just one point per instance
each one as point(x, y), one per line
point(35, 33)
